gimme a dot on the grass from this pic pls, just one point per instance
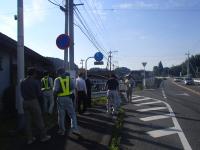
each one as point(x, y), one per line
point(116, 133)
point(116, 137)
point(99, 101)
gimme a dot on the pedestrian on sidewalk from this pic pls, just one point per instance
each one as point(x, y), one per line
point(130, 83)
point(63, 87)
point(47, 92)
point(112, 87)
point(81, 94)
point(89, 87)
point(30, 91)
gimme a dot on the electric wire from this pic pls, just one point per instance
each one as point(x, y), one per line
point(85, 25)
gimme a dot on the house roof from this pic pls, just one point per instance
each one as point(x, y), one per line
point(10, 45)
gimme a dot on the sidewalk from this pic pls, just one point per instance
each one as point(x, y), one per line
point(96, 130)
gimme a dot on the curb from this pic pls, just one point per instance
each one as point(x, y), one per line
point(191, 90)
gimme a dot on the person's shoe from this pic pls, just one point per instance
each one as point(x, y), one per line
point(46, 138)
point(30, 141)
point(61, 132)
point(76, 131)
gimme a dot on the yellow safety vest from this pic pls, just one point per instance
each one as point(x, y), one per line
point(45, 82)
point(64, 82)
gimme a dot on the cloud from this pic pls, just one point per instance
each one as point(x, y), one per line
point(8, 25)
point(34, 13)
point(159, 4)
point(138, 4)
point(97, 7)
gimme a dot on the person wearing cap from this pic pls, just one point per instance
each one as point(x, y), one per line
point(63, 87)
point(30, 91)
point(46, 87)
point(130, 83)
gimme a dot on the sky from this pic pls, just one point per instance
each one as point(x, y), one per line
point(136, 30)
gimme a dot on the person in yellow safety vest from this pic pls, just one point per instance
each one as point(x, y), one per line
point(63, 87)
point(47, 92)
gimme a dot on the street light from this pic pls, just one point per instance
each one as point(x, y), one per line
point(86, 66)
point(144, 82)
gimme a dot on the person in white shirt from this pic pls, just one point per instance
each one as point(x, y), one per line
point(81, 93)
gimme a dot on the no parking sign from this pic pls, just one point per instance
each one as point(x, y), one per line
point(63, 41)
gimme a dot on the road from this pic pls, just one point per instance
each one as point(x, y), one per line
point(164, 118)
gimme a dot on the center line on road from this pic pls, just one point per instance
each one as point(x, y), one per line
point(156, 102)
point(151, 109)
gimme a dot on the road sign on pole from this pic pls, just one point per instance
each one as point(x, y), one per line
point(63, 41)
point(98, 56)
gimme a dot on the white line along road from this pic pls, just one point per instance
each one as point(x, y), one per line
point(162, 132)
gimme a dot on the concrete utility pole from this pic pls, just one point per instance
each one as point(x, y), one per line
point(20, 55)
point(66, 56)
point(188, 64)
point(144, 65)
point(110, 61)
point(82, 63)
point(71, 34)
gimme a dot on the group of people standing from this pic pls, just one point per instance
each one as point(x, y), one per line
point(64, 89)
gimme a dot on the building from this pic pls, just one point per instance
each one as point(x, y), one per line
point(8, 69)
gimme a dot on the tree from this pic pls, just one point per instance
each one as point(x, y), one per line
point(121, 71)
point(160, 68)
point(155, 70)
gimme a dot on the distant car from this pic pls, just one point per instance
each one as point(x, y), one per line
point(188, 81)
point(178, 79)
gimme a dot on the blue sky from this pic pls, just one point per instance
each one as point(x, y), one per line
point(140, 30)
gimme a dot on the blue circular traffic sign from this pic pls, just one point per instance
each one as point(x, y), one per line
point(63, 41)
point(98, 56)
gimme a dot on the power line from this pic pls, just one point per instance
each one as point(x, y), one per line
point(54, 3)
point(87, 28)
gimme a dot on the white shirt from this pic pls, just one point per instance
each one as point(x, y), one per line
point(80, 85)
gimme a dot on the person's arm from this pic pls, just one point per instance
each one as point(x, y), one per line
point(85, 88)
point(56, 87)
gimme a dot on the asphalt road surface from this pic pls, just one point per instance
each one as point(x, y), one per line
point(164, 118)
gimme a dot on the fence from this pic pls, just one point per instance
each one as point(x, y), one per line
point(98, 94)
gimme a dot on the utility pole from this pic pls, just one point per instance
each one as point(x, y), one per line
point(66, 56)
point(144, 82)
point(188, 64)
point(82, 63)
point(20, 55)
point(71, 34)
point(110, 60)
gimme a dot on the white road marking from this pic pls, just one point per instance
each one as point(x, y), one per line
point(176, 129)
point(143, 99)
point(163, 132)
point(135, 96)
point(182, 137)
point(157, 117)
point(149, 103)
point(150, 109)
point(183, 94)
point(163, 92)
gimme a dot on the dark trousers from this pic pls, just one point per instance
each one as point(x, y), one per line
point(81, 100)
